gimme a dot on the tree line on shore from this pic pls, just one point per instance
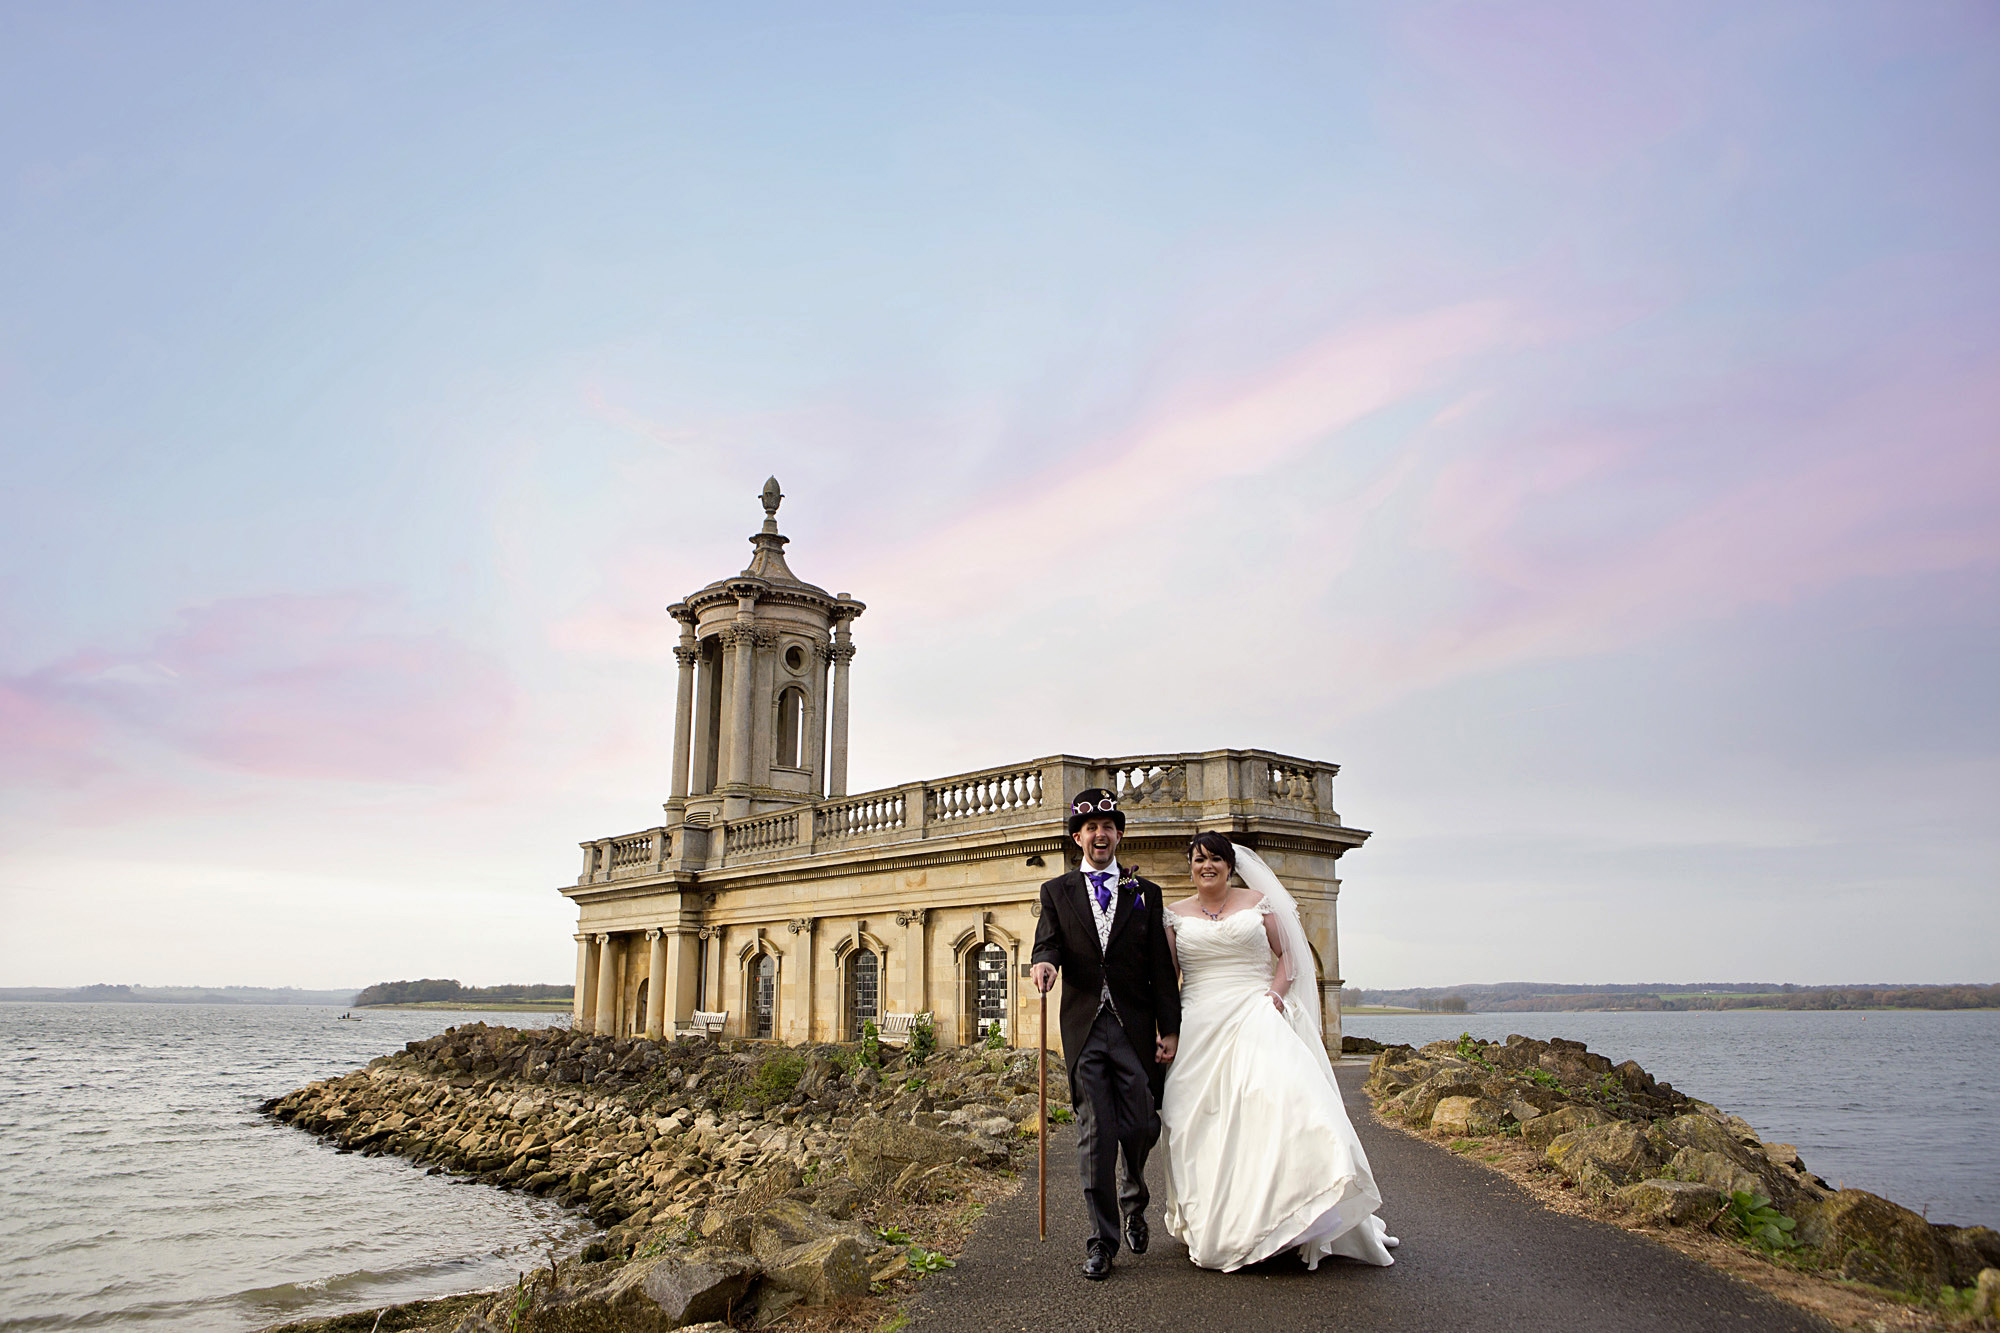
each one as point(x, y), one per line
point(1534, 997)
point(434, 990)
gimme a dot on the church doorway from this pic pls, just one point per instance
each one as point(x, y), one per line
point(639, 1007)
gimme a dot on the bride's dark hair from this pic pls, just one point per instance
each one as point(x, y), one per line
point(1215, 845)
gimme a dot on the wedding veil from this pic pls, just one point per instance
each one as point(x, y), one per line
point(1258, 878)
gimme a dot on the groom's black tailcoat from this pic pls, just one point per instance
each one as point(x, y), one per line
point(1137, 964)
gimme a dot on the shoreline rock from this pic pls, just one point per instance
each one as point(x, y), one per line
point(728, 1174)
point(1619, 1136)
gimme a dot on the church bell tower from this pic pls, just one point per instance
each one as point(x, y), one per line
point(760, 715)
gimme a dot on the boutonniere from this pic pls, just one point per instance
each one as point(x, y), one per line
point(1128, 878)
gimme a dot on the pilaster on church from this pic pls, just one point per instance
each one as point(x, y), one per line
point(772, 901)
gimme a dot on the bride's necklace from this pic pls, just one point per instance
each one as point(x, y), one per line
point(1212, 916)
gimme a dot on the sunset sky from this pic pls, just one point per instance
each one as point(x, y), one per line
point(1579, 421)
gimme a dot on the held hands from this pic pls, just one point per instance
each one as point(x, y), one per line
point(1166, 1046)
point(1043, 975)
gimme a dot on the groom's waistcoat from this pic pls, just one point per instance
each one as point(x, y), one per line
point(1133, 964)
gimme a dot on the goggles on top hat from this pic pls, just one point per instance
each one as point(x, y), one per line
point(1095, 803)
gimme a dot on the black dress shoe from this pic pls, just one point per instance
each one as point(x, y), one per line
point(1096, 1260)
point(1137, 1233)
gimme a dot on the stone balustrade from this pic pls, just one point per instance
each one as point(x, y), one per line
point(645, 853)
point(1189, 788)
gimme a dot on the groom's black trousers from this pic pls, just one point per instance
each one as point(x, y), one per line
point(1114, 1111)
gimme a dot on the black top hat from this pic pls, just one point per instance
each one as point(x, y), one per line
point(1094, 803)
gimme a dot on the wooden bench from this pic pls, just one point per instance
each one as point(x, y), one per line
point(704, 1023)
point(894, 1029)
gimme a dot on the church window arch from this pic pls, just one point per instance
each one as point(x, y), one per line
point(792, 728)
point(764, 996)
point(864, 991)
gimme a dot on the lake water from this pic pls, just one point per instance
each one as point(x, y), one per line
point(1904, 1104)
point(139, 1186)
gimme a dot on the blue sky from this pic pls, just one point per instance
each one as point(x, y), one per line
point(1581, 422)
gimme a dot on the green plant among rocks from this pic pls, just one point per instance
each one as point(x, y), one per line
point(1757, 1222)
point(923, 1041)
point(772, 1081)
point(871, 1043)
point(996, 1040)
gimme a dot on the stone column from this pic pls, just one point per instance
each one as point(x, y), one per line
point(742, 686)
point(706, 683)
point(799, 978)
point(711, 981)
point(607, 988)
point(579, 1000)
point(1330, 984)
point(820, 714)
point(659, 991)
point(683, 951)
point(842, 653)
point(686, 654)
point(916, 961)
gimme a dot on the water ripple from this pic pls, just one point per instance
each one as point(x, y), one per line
point(140, 1188)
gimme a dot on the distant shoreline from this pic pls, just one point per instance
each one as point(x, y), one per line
point(500, 1006)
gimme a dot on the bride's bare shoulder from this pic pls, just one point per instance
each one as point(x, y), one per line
point(1176, 907)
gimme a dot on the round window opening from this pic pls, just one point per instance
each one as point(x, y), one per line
point(795, 658)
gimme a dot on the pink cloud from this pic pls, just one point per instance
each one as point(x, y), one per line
point(280, 686)
point(997, 550)
point(1891, 480)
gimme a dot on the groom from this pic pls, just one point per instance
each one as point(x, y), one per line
point(1121, 1019)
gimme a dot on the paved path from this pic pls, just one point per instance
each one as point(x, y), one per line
point(1478, 1253)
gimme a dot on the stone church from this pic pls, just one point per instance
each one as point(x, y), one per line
point(772, 896)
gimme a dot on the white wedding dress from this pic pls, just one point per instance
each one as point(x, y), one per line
point(1260, 1154)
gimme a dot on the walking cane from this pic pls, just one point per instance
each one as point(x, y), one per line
point(1042, 1123)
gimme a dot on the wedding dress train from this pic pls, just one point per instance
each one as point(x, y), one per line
point(1260, 1154)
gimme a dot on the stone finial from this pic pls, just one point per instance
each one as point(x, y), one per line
point(772, 498)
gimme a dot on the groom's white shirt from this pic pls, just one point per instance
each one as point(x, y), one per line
point(1103, 917)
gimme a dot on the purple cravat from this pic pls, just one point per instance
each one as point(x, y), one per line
point(1097, 878)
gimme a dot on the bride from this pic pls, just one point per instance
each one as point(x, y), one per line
point(1260, 1155)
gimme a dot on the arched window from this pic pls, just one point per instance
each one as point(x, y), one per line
point(792, 728)
point(639, 1008)
point(989, 981)
point(864, 991)
point(764, 1002)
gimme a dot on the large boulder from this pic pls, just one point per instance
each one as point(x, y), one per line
point(1715, 1170)
point(1673, 1203)
point(1468, 1116)
point(822, 1270)
point(1866, 1238)
point(1543, 1130)
point(1968, 1251)
point(1986, 1294)
point(879, 1150)
point(1603, 1157)
point(790, 1223)
point(677, 1288)
point(1418, 1103)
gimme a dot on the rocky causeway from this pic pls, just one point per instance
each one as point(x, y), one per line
point(746, 1185)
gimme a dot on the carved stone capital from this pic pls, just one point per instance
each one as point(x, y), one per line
point(912, 917)
point(686, 656)
point(708, 932)
point(799, 925)
point(1035, 908)
point(654, 933)
point(840, 652)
